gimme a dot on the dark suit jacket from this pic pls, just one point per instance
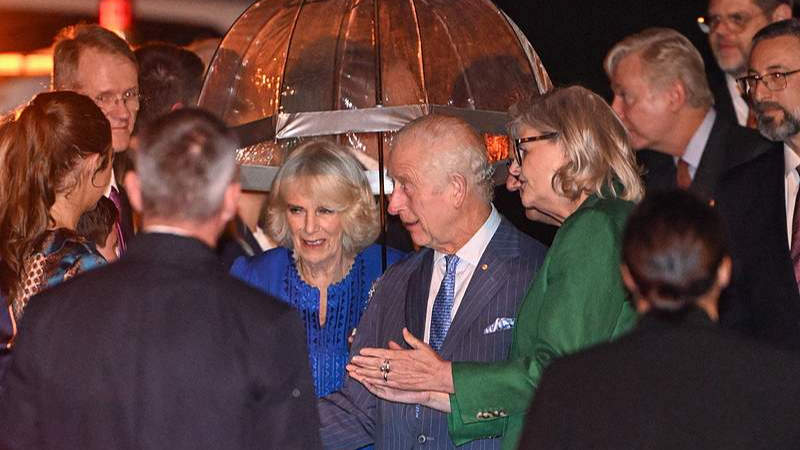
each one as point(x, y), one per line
point(728, 145)
point(763, 298)
point(353, 417)
point(161, 350)
point(722, 96)
point(668, 385)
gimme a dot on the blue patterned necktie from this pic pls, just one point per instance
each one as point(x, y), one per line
point(443, 304)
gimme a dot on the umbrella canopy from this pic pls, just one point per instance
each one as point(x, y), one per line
point(357, 70)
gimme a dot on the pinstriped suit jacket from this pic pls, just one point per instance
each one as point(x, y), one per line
point(352, 417)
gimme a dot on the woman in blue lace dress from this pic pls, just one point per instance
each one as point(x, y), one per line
point(55, 164)
point(325, 219)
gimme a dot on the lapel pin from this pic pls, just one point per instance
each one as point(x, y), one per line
point(485, 267)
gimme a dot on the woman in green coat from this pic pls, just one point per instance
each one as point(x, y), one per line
point(578, 172)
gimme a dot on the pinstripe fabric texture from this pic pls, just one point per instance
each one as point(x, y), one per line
point(353, 417)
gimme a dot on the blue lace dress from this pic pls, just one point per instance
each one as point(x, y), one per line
point(275, 273)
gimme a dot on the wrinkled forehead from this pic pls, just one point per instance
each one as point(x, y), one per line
point(410, 151)
point(105, 73)
point(778, 53)
point(727, 7)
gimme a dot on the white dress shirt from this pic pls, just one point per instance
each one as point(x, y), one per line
point(791, 181)
point(469, 255)
point(739, 105)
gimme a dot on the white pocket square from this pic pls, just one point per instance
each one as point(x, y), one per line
point(502, 323)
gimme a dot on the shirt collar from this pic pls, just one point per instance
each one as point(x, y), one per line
point(790, 160)
point(472, 251)
point(694, 150)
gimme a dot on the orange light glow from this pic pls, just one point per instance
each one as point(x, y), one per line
point(20, 64)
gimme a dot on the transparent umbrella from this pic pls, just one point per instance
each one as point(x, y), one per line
point(356, 71)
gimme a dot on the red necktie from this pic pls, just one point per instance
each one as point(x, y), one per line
point(752, 120)
point(683, 178)
point(115, 197)
point(796, 236)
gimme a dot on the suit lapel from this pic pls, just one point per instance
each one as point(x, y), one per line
point(485, 283)
point(713, 160)
point(417, 297)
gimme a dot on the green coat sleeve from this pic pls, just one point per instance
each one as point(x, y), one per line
point(576, 301)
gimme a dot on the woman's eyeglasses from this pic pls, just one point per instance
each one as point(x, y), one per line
point(516, 144)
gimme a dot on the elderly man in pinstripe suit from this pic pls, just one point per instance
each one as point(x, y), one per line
point(460, 292)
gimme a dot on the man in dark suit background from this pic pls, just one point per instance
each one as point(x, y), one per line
point(676, 381)
point(474, 263)
point(759, 199)
point(162, 349)
point(97, 63)
point(662, 96)
point(731, 25)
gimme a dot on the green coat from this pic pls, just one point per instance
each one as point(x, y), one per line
point(577, 300)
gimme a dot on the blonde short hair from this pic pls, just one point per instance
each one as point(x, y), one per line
point(666, 56)
point(593, 139)
point(335, 178)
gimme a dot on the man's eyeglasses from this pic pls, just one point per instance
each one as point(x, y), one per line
point(516, 144)
point(108, 101)
point(775, 81)
point(736, 22)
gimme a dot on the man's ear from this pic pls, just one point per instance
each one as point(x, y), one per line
point(781, 12)
point(459, 184)
point(677, 96)
point(639, 302)
point(134, 189)
point(230, 201)
point(724, 272)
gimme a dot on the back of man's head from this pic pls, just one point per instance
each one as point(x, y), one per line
point(185, 163)
point(666, 56)
point(73, 40)
point(169, 77)
point(451, 146)
point(673, 247)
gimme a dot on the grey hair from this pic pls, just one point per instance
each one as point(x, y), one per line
point(185, 162)
point(465, 153)
point(667, 56)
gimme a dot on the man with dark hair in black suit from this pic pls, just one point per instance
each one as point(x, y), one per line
point(677, 381)
point(162, 349)
point(759, 199)
point(731, 25)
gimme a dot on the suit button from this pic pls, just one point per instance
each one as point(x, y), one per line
point(422, 439)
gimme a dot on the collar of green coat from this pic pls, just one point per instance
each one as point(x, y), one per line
point(606, 192)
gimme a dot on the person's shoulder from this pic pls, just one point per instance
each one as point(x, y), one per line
point(507, 230)
point(771, 155)
point(599, 213)
point(266, 262)
point(374, 253)
point(405, 266)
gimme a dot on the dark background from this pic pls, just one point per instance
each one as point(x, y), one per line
point(573, 37)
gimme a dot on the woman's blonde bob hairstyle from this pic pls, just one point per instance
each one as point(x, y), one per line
point(328, 173)
point(593, 139)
